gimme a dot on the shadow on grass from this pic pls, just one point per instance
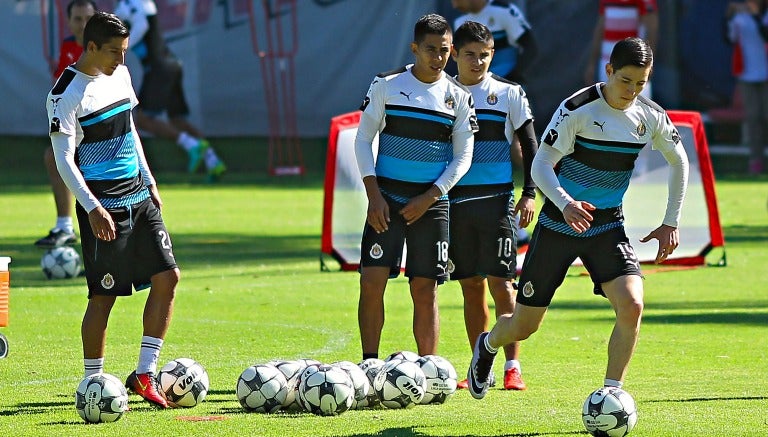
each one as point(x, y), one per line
point(191, 250)
point(412, 432)
point(745, 234)
point(712, 399)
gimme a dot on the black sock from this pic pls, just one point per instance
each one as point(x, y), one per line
point(370, 355)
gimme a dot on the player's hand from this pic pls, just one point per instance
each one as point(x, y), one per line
point(525, 207)
point(577, 216)
point(669, 239)
point(155, 196)
point(102, 225)
point(378, 212)
point(416, 207)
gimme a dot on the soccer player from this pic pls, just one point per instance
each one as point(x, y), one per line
point(619, 19)
point(161, 88)
point(483, 232)
point(78, 13)
point(425, 121)
point(514, 44)
point(100, 157)
point(583, 166)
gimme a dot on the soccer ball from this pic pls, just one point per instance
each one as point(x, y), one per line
point(403, 355)
point(61, 263)
point(610, 412)
point(371, 367)
point(101, 398)
point(400, 384)
point(326, 391)
point(184, 382)
point(359, 380)
point(291, 370)
point(262, 388)
point(308, 366)
point(441, 379)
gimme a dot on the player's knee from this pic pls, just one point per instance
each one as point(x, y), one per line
point(630, 311)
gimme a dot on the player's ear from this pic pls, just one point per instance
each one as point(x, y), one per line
point(414, 47)
point(608, 69)
point(454, 52)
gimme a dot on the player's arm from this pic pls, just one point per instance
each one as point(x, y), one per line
point(64, 152)
point(132, 13)
point(371, 121)
point(525, 206)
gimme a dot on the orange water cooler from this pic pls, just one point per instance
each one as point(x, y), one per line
point(5, 286)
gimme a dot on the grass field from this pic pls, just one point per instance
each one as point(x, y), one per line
point(252, 291)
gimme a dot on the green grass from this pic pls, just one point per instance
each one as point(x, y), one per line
point(252, 291)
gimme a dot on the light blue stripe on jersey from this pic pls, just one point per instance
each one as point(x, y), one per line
point(604, 189)
point(106, 115)
point(117, 202)
point(412, 160)
point(107, 160)
point(491, 117)
point(491, 164)
point(420, 115)
point(408, 171)
point(618, 149)
point(567, 230)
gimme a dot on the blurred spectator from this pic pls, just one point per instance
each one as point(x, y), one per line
point(747, 30)
point(514, 45)
point(619, 19)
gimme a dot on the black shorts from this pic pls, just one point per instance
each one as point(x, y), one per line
point(142, 249)
point(426, 240)
point(162, 88)
point(483, 238)
point(606, 256)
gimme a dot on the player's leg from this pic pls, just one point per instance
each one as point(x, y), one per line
point(615, 270)
point(178, 111)
point(752, 112)
point(426, 267)
point(370, 308)
point(151, 251)
point(380, 256)
point(63, 233)
point(476, 312)
point(426, 320)
point(626, 296)
point(503, 293)
point(93, 331)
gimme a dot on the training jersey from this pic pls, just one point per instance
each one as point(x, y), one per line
point(601, 144)
point(146, 41)
point(744, 30)
point(69, 52)
point(417, 122)
point(622, 20)
point(96, 111)
point(501, 107)
point(508, 24)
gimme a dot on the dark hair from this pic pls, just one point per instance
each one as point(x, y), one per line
point(80, 3)
point(631, 51)
point(469, 32)
point(102, 27)
point(430, 24)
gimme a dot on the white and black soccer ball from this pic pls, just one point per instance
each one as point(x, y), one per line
point(404, 355)
point(359, 380)
point(400, 384)
point(61, 263)
point(261, 388)
point(291, 369)
point(101, 398)
point(371, 367)
point(609, 412)
point(184, 382)
point(326, 390)
point(442, 379)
